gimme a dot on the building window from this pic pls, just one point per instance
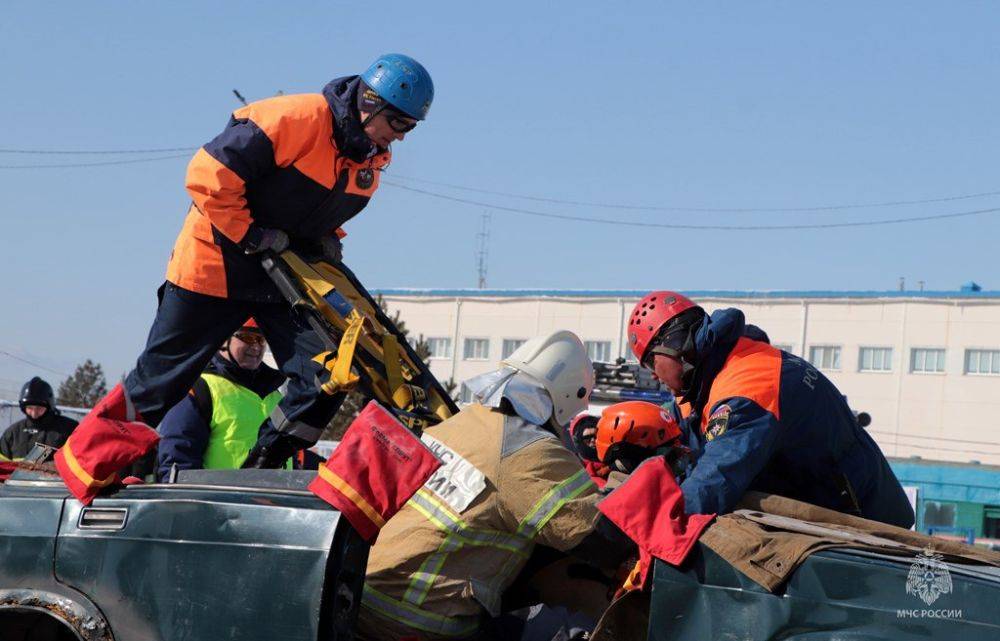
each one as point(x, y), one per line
point(938, 514)
point(875, 359)
point(785, 347)
point(509, 345)
point(926, 360)
point(991, 522)
point(439, 347)
point(476, 349)
point(598, 351)
point(825, 356)
point(982, 361)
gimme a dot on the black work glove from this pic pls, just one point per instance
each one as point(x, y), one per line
point(259, 239)
point(272, 451)
point(333, 249)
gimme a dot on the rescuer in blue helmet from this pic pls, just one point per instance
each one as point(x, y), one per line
point(398, 83)
point(286, 172)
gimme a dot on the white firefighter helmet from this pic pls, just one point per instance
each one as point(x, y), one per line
point(559, 363)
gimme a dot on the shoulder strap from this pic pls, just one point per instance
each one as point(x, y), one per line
point(202, 396)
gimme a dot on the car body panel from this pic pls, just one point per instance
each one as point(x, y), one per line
point(213, 558)
point(834, 595)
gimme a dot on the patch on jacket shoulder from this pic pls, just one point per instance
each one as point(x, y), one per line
point(718, 422)
point(457, 482)
point(364, 178)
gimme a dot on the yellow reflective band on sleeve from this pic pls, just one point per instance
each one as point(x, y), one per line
point(425, 502)
point(416, 618)
point(79, 472)
point(344, 488)
point(554, 499)
point(423, 579)
point(457, 534)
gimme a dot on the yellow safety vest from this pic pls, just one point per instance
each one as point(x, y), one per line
point(237, 413)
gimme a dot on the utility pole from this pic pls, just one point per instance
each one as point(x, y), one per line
point(483, 248)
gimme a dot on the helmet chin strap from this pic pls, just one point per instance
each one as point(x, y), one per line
point(371, 116)
point(687, 355)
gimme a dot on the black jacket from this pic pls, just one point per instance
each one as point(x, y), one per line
point(51, 429)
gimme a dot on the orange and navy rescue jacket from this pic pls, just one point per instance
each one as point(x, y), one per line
point(759, 418)
point(299, 163)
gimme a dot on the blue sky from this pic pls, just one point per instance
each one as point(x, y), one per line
point(725, 105)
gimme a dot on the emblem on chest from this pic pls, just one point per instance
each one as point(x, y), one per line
point(364, 178)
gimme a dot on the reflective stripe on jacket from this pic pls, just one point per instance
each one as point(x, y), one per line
point(444, 561)
point(237, 413)
point(299, 163)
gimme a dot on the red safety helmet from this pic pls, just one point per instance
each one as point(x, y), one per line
point(632, 431)
point(650, 315)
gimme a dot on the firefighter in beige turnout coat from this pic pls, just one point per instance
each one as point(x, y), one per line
point(441, 565)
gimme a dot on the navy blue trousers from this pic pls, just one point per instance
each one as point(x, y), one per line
point(190, 327)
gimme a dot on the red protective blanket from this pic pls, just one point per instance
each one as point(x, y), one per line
point(107, 440)
point(374, 471)
point(649, 508)
point(6, 469)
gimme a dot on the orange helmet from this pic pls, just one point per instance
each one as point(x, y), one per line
point(630, 432)
point(250, 326)
point(248, 332)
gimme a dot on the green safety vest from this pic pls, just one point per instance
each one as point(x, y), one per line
point(237, 413)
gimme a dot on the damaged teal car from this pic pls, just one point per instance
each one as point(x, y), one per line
point(253, 555)
point(240, 554)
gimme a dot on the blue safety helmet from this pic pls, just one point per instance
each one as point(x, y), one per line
point(403, 83)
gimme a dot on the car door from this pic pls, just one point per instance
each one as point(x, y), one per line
point(193, 562)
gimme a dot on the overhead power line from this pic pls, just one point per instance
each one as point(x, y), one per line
point(559, 201)
point(937, 439)
point(32, 363)
point(102, 163)
point(930, 448)
point(702, 227)
point(67, 152)
point(721, 210)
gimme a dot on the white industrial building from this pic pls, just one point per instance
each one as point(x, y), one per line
point(925, 365)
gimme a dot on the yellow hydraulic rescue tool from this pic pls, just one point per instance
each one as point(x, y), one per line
point(364, 348)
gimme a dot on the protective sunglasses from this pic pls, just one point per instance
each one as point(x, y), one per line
point(672, 345)
point(399, 124)
point(250, 338)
